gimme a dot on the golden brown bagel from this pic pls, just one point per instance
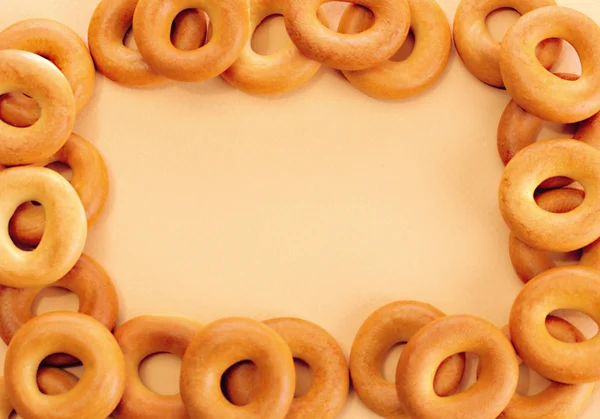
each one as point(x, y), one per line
point(319, 350)
point(527, 261)
point(574, 288)
point(224, 343)
point(87, 279)
point(425, 64)
point(447, 336)
point(280, 72)
point(348, 51)
point(530, 167)
point(536, 89)
point(101, 386)
point(108, 26)
point(479, 51)
point(230, 25)
point(139, 338)
point(63, 47)
point(28, 73)
point(90, 181)
point(65, 234)
point(389, 325)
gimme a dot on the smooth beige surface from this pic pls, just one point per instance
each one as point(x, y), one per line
point(323, 204)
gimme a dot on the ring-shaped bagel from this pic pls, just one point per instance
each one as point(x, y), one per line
point(224, 343)
point(557, 401)
point(89, 179)
point(424, 65)
point(109, 24)
point(518, 129)
point(389, 325)
point(348, 51)
point(87, 280)
point(442, 338)
point(536, 89)
point(101, 386)
point(275, 73)
point(536, 227)
point(139, 338)
point(230, 25)
point(63, 47)
point(318, 349)
point(64, 236)
point(28, 73)
point(479, 51)
point(572, 288)
point(527, 261)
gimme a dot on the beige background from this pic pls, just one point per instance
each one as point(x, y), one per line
point(323, 203)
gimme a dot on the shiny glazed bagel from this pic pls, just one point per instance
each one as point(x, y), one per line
point(530, 167)
point(427, 61)
point(574, 288)
point(62, 46)
point(557, 401)
point(65, 234)
point(109, 24)
point(447, 336)
point(536, 89)
point(224, 343)
point(319, 350)
point(89, 179)
point(139, 338)
point(518, 129)
point(479, 51)
point(230, 25)
point(87, 280)
point(527, 261)
point(389, 325)
point(101, 385)
point(28, 73)
point(348, 51)
point(280, 72)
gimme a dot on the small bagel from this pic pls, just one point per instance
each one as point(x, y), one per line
point(389, 325)
point(348, 51)
point(442, 338)
point(530, 167)
point(527, 261)
point(139, 338)
point(90, 181)
point(536, 89)
point(280, 72)
point(319, 350)
point(479, 51)
point(101, 385)
point(108, 26)
point(64, 236)
point(574, 288)
point(425, 64)
point(224, 343)
point(518, 129)
point(87, 279)
point(63, 47)
point(28, 73)
point(230, 25)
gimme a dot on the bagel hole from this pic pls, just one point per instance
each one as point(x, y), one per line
point(304, 377)
point(160, 373)
point(406, 49)
point(54, 299)
point(129, 39)
point(62, 169)
point(245, 382)
point(568, 62)
point(19, 110)
point(270, 36)
point(499, 22)
point(390, 362)
point(550, 130)
point(581, 321)
point(470, 375)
